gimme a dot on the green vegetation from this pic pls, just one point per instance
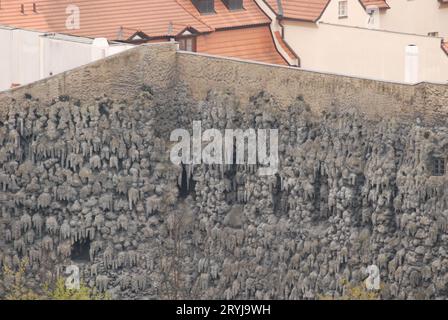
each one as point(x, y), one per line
point(15, 287)
point(60, 292)
point(355, 292)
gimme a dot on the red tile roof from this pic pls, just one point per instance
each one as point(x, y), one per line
point(254, 43)
point(120, 19)
point(225, 18)
point(382, 4)
point(102, 18)
point(306, 10)
point(311, 10)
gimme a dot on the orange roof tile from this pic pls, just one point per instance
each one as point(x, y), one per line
point(113, 19)
point(225, 18)
point(306, 10)
point(382, 4)
point(254, 43)
point(120, 19)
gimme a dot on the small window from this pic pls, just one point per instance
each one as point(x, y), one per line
point(233, 4)
point(374, 15)
point(371, 18)
point(205, 6)
point(433, 34)
point(343, 9)
point(438, 168)
point(187, 44)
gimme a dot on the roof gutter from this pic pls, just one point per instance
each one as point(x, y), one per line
point(299, 63)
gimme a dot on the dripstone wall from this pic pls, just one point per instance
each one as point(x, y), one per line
point(322, 92)
point(119, 76)
point(86, 179)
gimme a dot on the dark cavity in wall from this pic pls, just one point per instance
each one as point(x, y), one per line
point(357, 201)
point(279, 207)
point(231, 174)
point(80, 251)
point(187, 184)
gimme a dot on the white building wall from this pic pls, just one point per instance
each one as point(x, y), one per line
point(27, 56)
point(5, 58)
point(59, 56)
point(407, 16)
point(18, 51)
point(416, 16)
point(357, 15)
point(26, 52)
point(365, 53)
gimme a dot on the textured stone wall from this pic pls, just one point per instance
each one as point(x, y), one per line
point(85, 179)
point(119, 76)
point(321, 91)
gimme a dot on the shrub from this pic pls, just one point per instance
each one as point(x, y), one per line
point(354, 292)
point(15, 286)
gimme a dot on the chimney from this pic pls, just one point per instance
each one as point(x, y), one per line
point(411, 62)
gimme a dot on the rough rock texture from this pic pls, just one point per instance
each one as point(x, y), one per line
point(92, 184)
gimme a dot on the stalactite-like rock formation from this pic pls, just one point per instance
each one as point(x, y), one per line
point(92, 184)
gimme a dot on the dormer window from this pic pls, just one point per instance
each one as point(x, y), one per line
point(138, 37)
point(205, 6)
point(233, 4)
point(187, 40)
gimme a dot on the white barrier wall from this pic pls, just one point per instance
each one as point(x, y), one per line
point(59, 56)
point(19, 53)
point(5, 58)
point(27, 56)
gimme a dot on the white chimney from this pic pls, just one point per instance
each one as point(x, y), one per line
point(411, 64)
point(99, 47)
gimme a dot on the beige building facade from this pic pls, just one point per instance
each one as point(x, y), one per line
point(422, 17)
point(393, 40)
point(417, 16)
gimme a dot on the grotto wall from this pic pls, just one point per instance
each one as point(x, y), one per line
point(321, 90)
point(85, 179)
point(119, 76)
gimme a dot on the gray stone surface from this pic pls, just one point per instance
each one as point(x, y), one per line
point(354, 188)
